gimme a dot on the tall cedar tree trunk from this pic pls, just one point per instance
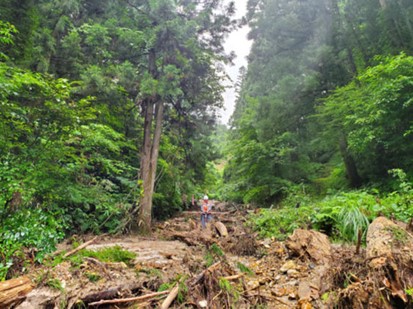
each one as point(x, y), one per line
point(351, 168)
point(149, 159)
point(149, 153)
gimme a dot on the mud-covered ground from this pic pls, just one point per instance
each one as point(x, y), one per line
point(224, 266)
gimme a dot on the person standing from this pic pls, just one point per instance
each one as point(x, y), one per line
point(206, 208)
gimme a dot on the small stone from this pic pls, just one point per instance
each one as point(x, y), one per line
point(203, 303)
point(287, 266)
point(252, 285)
point(294, 283)
point(292, 296)
point(292, 273)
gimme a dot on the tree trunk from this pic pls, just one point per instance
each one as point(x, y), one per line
point(150, 150)
point(149, 161)
point(144, 216)
point(351, 169)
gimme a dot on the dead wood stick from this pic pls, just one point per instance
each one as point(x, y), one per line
point(234, 277)
point(171, 297)
point(84, 245)
point(130, 299)
point(202, 274)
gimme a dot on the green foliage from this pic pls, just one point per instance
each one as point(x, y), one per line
point(279, 223)
point(55, 284)
point(92, 276)
point(226, 286)
point(30, 230)
point(7, 31)
point(216, 250)
point(245, 269)
point(209, 259)
point(342, 215)
point(213, 254)
point(374, 113)
point(109, 254)
point(345, 214)
point(182, 287)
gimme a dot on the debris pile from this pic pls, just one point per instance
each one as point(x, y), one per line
point(226, 265)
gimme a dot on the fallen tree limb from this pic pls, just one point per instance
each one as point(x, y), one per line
point(14, 290)
point(82, 246)
point(171, 297)
point(234, 277)
point(130, 299)
point(202, 274)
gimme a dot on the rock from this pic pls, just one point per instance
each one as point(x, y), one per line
point(278, 291)
point(292, 273)
point(304, 290)
point(252, 285)
point(386, 239)
point(311, 244)
point(288, 266)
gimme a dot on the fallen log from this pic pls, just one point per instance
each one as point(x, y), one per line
point(82, 246)
point(130, 299)
point(14, 290)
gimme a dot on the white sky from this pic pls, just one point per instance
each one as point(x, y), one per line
point(237, 42)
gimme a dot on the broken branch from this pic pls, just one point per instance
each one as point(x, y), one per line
point(130, 299)
point(171, 297)
point(84, 245)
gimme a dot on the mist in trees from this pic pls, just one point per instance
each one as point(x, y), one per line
point(325, 99)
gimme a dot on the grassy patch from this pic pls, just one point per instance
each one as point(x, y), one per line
point(109, 254)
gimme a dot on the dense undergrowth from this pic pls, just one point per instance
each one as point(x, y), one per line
point(342, 215)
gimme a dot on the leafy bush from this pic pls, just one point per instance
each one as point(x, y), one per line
point(279, 223)
point(29, 231)
point(341, 216)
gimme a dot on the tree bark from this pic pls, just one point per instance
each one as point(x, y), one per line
point(153, 109)
point(144, 216)
point(14, 290)
point(149, 161)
